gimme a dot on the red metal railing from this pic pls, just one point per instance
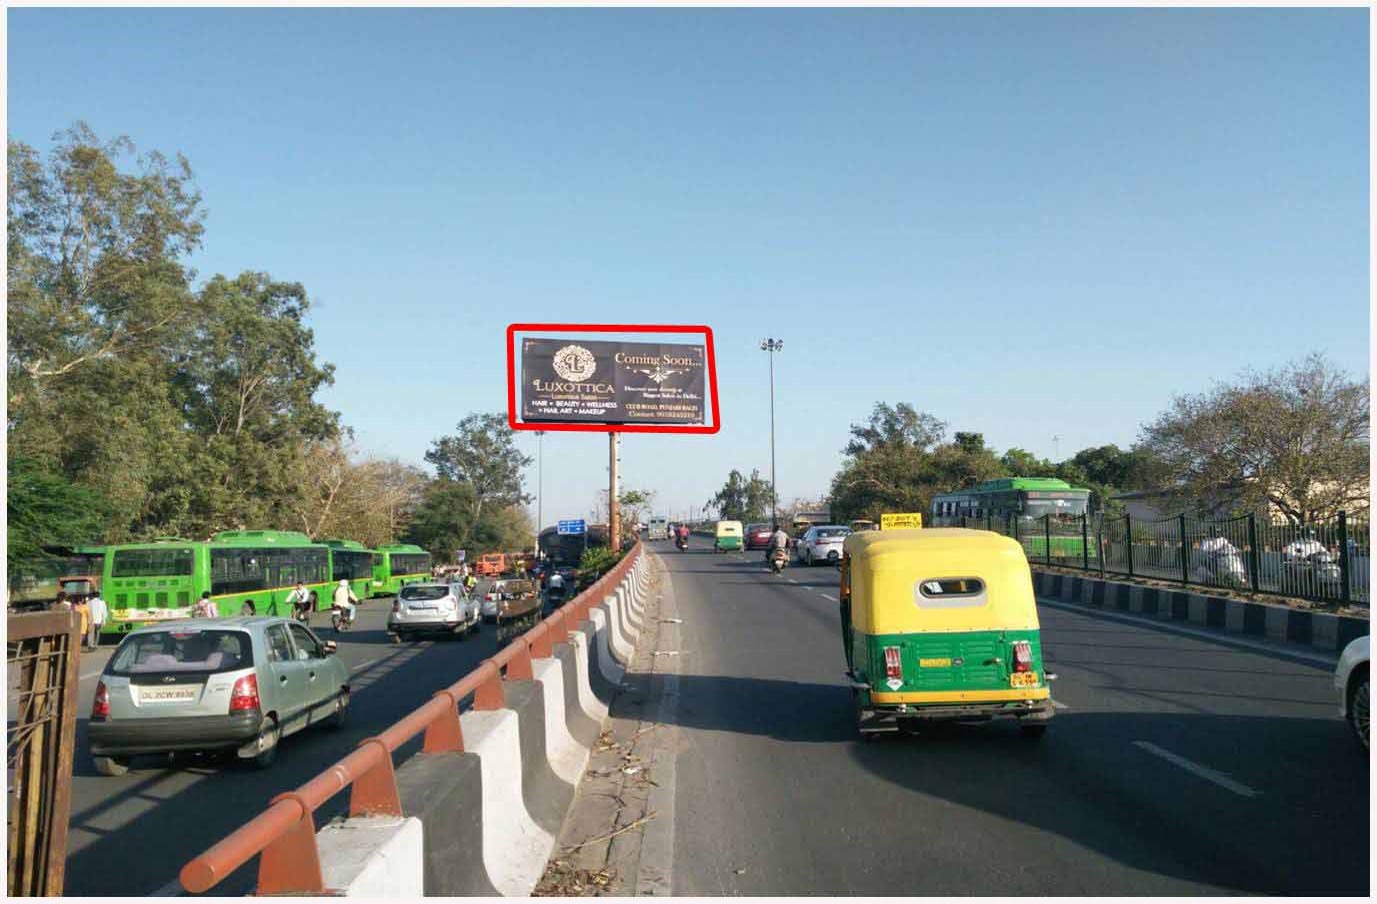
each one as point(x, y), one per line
point(285, 833)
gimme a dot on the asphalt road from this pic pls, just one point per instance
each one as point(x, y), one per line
point(131, 835)
point(1176, 764)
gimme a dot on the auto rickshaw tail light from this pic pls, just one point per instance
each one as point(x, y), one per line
point(1023, 656)
point(893, 666)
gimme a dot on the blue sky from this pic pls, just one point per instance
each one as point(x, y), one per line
point(1027, 222)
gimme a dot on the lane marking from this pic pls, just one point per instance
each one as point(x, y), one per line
point(1204, 772)
point(1310, 658)
point(827, 596)
point(171, 889)
point(362, 665)
point(1057, 704)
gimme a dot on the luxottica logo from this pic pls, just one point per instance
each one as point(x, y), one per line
point(575, 363)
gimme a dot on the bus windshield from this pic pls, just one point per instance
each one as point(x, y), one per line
point(1069, 505)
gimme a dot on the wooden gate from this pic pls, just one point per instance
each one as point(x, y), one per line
point(41, 674)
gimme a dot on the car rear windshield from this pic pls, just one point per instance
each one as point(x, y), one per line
point(424, 593)
point(513, 587)
point(183, 650)
point(831, 533)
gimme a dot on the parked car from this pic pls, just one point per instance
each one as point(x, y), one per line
point(1351, 684)
point(510, 599)
point(435, 608)
point(822, 543)
point(226, 684)
point(758, 536)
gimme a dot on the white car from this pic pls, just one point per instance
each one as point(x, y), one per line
point(1350, 682)
point(822, 543)
point(432, 608)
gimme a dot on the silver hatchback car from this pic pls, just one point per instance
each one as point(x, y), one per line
point(432, 608)
point(229, 684)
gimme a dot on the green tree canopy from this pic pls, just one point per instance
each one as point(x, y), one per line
point(46, 509)
point(482, 456)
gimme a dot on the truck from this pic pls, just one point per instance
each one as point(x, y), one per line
point(659, 529)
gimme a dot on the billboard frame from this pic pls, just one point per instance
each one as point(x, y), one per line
point(703, 329)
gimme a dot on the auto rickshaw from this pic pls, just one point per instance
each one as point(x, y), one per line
point(864, 524)
point(941, 625)
point(730, 536)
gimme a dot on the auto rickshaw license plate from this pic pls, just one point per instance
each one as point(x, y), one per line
point(1023, 679)
point(934, 663)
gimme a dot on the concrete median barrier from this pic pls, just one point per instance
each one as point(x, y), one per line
point(373, 857)
point(583, 724)
point(445, 792)
point(515, 847)
point(1327, 631)
point(600, 648)
point(567, 757)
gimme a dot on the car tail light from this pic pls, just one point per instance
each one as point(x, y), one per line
point(893, 667)
point(1023, 656)
point(100, 709)
point(245, 694)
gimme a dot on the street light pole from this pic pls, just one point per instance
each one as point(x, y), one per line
point(772, 346)
point(540, 489)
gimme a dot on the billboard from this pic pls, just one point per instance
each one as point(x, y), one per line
point(602, 382)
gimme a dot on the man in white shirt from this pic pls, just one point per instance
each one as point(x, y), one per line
point(97, 612)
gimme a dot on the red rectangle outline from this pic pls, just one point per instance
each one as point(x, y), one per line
point(706, 330)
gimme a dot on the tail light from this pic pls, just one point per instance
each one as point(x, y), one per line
point(893, 667)
point(245, 694)
point(1023, 656)
point(100, 709)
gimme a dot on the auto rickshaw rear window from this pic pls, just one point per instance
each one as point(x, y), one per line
point(943, 593)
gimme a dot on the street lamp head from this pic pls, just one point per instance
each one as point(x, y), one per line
point(771, 345)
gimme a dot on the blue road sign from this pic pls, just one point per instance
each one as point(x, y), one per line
point(572, 527)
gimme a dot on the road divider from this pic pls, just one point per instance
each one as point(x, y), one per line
point(477, 810)
point(1327, 631)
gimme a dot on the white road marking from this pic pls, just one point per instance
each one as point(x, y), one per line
point(171, 889)
point(1057, 704)
point(827, 596)
point(791, 580)
point(361, 665)
point(1204, 772)
point(1203, 633)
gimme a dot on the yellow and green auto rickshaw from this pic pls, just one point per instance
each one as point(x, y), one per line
point(864, 524)
point(941, 625)
point(730, 536)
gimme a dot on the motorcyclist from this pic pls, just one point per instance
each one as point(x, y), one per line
point(682, 533)
point(299, 598)
point(344, 598)
point(778, 540)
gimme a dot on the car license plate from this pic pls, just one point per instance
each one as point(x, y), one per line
point(184, 694)
point(1023, 679)
point(420, 608)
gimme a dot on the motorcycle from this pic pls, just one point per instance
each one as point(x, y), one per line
point(1221, 567)
point(681, 543)
point(1312, 572)
point(340, 619)
point(779, 559)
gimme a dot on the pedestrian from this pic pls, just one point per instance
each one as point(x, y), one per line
point(249, 608)
point(205, 607)
point(98, 612)
point(79, 605)
point(61, 602)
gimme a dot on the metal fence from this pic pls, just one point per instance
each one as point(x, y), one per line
point(1327, 562)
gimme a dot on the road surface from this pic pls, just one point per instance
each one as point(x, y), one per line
point(1176, 764)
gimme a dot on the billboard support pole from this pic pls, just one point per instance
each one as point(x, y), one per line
point(614, 505)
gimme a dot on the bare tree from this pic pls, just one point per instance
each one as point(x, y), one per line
point(1294, 437)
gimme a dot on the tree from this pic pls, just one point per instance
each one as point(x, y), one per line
point(443, 525)
point(482, 454)
point(1022, 463)
point(246, 387)
point(46, 509)
point(895, 426)
point(1295, 437)
point(742, 498)
point(93, 255)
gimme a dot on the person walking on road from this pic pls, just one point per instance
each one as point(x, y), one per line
point(205, 607)
point(97, 612)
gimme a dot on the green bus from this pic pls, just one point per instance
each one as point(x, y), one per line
point(1019, 507)
point(351, 561)
point(398, 564)
point(145, 583)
